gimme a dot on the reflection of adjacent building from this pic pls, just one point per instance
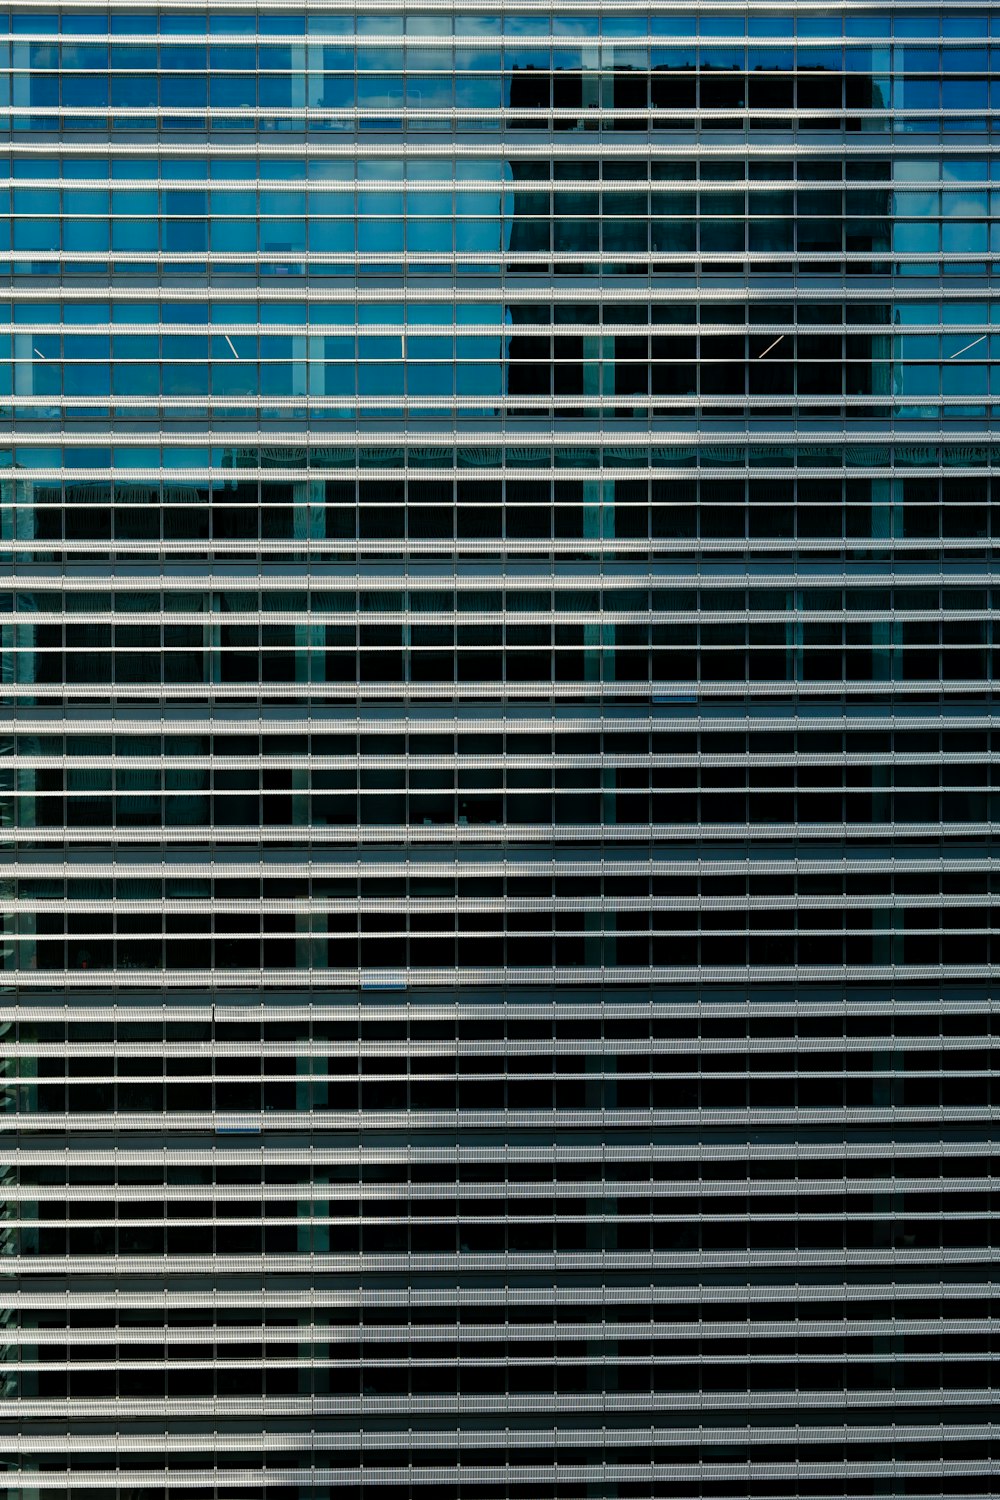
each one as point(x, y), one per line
point(673, 91)
point(669, 370)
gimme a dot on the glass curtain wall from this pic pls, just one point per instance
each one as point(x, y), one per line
point(497, 785)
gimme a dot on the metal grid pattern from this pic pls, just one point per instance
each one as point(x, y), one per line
point(498, 911)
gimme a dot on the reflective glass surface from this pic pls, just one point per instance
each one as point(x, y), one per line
point(497, 791)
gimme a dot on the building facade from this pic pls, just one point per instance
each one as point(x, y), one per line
point(497, 789)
